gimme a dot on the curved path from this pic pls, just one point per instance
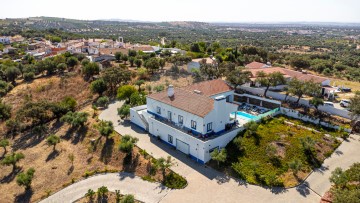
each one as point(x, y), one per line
point(208, 185)
point(125, 182)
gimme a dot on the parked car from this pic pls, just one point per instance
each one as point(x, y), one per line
point(345, 103)
point(329, 104)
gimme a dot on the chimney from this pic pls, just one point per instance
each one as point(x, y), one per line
point(170, 91)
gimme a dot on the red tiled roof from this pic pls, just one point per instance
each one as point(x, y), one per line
point(255, 65)
point(187, 101)
point(289, 73)
point(209, 88)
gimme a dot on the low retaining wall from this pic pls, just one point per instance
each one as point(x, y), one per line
point(295, 114)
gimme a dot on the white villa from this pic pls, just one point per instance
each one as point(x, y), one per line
point(195, 119)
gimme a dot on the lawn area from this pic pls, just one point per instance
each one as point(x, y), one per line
point(277, 153)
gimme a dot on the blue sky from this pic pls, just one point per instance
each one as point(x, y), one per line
point(189, 10)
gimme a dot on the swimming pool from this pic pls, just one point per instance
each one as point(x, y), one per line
point(244, 115)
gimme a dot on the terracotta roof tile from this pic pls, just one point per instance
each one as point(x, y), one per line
point(289, 73)
point(255, 65)
point(187, 101)
point(210, 87)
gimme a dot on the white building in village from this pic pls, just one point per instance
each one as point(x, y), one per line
point(195, 119)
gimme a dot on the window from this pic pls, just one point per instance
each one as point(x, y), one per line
point(209, 127)
point(170, 139)
point(169, 115)
point(181, 119)
point(193, 124)
point(158, 110)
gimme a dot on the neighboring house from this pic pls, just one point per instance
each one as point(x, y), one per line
point(9, 50)
point(93, 51)
point(195, 63)
point(5, 40)
point(103, 57)
point(256, 67)
point(195, 119)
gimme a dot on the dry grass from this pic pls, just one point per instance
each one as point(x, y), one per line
point(48, 88)
point(54, 169)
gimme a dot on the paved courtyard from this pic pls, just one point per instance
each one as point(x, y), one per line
point(208, 185)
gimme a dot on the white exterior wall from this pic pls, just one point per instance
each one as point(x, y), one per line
point(198, 149)
point(162, 130)
point(220, 116)
point(175, 112)
point(220, 142)
point(278, 96)
point(135, 117)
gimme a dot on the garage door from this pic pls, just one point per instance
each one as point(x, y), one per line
point(182, 146)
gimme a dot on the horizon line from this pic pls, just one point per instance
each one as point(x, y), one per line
point(210, 22)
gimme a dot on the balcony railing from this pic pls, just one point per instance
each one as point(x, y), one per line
point(200, 136)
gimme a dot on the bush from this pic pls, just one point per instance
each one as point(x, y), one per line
point(29, 76)
point(103, 101)
point(175, 181)
point(128, 199)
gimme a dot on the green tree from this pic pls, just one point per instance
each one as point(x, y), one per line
point(103, 101)
point(53, 140)
point(72, 61)
point(5, 111)
point(163, 164)
point(102, 192)
point(297, 88)
point(12, 159)
point(124, 92)
point(299, 63)
point(124, 111)
point(61, 67)
point(131, 60)
point(162, 63)
point(90, 70)
point(4, 143)
point(139, 83)
point(295, 166)
point(75, 119)
point(316, 102)
point(114, 77)
point(118, 56)
point(219, 155)
point(25, 179)
point(238, 77)
point(124, 58)
point(90, 194)
point(132, 53)
point(11, 73)
point(271, 79)
point(137, 99)
point(152, 64)
point(127, 143)
point(106, 128)
point(128, 199)
point(138, 63)
point(98, 86)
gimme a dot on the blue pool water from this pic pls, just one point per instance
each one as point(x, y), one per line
point(244, 115)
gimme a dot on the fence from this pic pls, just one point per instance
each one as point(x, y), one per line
point(295, 114)
point(281, 97)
